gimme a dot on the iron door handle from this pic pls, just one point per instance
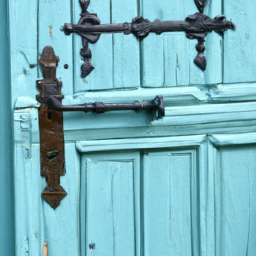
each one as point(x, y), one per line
point(99, 107)
point(195, 26)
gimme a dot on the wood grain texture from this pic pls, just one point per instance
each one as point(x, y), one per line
point(23, 48)
point(168, 203)
point(126, 49)
point(61, 226)
point(6, 145)
point(113, 180)
point(235, 204)
point(206, 182)
point(28, 229)
point(47, 224)
point(239, 54)
point(51, 15)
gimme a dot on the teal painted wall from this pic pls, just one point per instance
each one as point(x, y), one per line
point(6, 166)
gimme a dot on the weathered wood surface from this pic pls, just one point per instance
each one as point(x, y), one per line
point(239, 54)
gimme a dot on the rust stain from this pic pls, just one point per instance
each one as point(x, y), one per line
point(32, 65)
point(50, 30)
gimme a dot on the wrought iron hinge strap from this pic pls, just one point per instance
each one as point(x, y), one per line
point(195, 26)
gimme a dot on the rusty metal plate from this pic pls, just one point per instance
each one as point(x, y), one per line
point(52, 156)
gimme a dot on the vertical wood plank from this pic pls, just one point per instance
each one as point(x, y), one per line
point(126, 52)
point(207, 166)
point(28, 219)
point(61, 226)
point(6, 145)
point(152, 46)
point(101, 78)
point(170, 204)
point(234, 180)
point(176, 59)
point(23, 45)
point(83, 205)
point(52, 15)
point(252, 231)
point(112, 211)
point(239, 46)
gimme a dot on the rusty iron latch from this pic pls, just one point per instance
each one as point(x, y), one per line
point(52, 155)
point(195, 26)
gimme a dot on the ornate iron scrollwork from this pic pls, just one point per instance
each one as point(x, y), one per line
point(195, 26)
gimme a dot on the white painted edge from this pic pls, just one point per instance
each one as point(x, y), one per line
point(233, 139)
point(128, 144)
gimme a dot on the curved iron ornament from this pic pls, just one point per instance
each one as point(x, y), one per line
point(195, 26)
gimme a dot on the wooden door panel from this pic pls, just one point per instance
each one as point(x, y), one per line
point(235, 190)
point(170, 203)
point(110, 204)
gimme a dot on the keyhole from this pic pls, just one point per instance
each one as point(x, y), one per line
point(49, 115)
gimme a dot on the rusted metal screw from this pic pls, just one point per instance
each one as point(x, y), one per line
point(66, 66)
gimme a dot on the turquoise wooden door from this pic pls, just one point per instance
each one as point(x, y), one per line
point(183, 185)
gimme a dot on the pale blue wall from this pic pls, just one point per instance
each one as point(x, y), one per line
point(6, 166)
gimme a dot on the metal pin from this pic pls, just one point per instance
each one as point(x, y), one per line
point(45, 249)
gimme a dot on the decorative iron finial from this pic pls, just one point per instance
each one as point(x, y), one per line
point(84, 4)
point(49, 62)
point(200, 5)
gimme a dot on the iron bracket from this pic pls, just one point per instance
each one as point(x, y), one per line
point(195, 26)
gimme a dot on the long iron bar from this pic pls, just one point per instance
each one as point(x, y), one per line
point(141, 27)
point(100, 107)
